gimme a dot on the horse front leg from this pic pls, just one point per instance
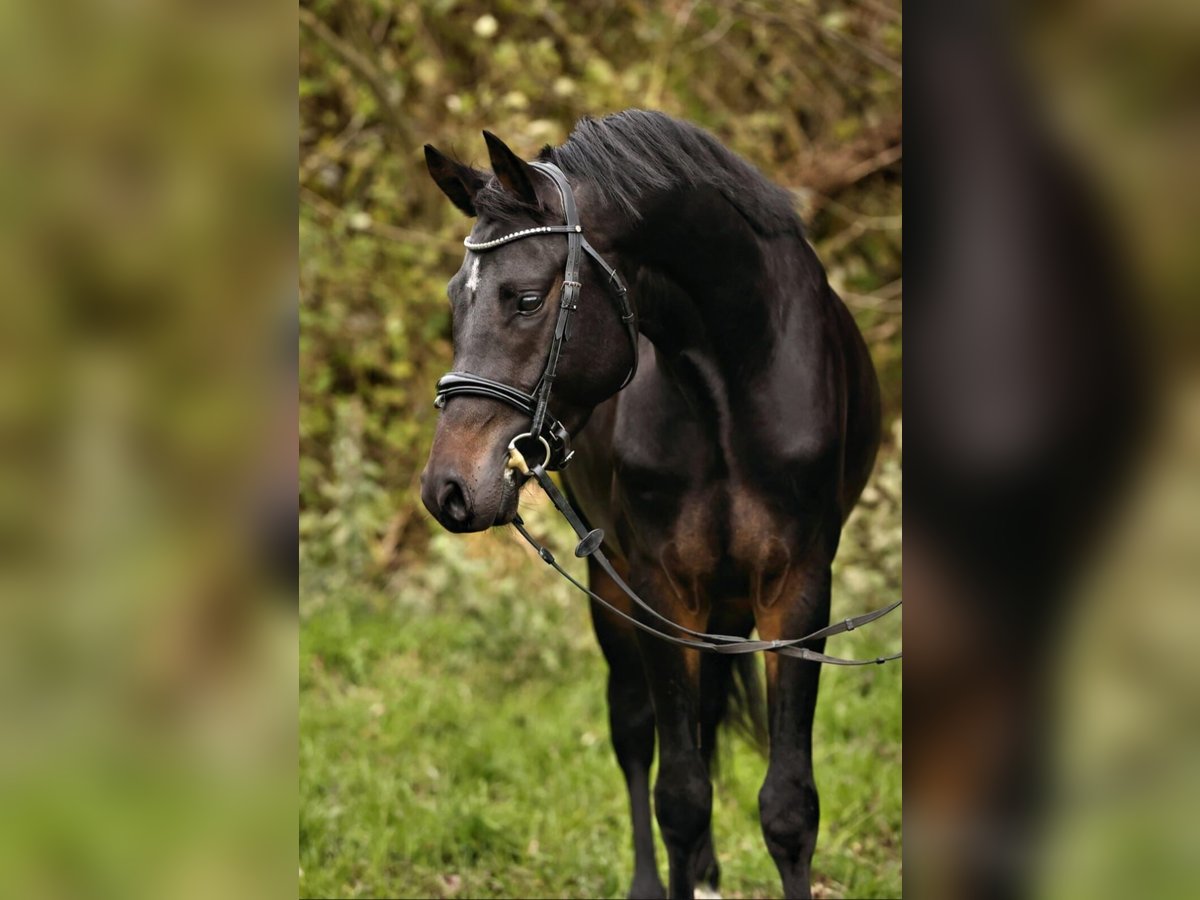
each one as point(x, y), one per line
point(789, 807)
point(683, 790)
point(631, 726)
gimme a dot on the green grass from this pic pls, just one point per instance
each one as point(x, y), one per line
point(454, 738)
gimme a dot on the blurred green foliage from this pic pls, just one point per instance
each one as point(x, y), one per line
point(809, 91)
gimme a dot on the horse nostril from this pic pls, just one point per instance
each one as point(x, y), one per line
point(453, 501)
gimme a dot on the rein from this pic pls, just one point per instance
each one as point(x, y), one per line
point(550, 441)
point(700, 640)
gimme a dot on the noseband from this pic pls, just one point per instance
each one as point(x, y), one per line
point(546, 446)
point(547, 442)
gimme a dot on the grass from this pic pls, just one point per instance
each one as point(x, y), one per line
point(454, 739)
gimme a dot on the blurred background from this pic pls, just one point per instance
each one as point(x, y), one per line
point(147, 407)
point(1052, 407)
point(454, 738)
point(148, 653)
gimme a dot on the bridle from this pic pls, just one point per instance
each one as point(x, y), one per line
point(546, 436)
point(549, 439)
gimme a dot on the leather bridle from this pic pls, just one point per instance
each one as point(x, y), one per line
point(549, 439)
point(546, 436)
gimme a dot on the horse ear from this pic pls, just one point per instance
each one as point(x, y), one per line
point(458, 182)
point(513, 172)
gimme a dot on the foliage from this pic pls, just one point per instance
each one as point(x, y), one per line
point(808, 91)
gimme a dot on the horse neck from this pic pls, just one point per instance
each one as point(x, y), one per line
point(711, 287)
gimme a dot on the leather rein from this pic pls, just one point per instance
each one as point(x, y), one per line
point(548, 445)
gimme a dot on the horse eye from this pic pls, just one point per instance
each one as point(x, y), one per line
point(529, 303)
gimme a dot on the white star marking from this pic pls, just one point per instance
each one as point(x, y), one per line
point(473, 279)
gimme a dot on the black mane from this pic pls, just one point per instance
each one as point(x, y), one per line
point(638, 152)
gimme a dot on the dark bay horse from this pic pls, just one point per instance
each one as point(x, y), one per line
point(721, 475)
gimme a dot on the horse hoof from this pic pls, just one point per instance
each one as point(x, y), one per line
point(703, 892)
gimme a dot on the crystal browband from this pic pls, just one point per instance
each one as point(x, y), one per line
point(525, 232)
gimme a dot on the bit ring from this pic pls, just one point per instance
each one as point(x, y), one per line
point(516, 457)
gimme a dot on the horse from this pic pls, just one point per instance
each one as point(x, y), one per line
point(720, 475)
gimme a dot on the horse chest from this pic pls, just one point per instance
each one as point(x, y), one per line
point(720, 533)
point(692, 491)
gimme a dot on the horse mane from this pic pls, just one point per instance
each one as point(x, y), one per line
point(632, 154)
